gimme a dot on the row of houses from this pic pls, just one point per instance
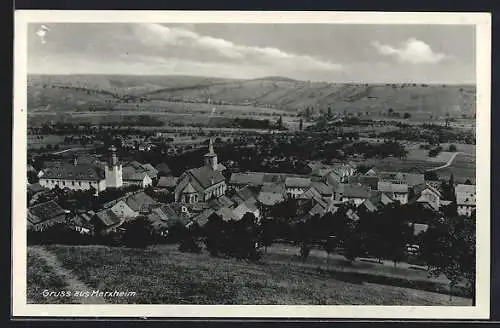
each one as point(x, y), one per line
point(342, 184)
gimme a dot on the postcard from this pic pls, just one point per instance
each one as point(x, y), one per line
point(209, 164)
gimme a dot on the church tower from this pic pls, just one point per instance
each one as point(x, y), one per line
point(211, 157)
point(113, 170)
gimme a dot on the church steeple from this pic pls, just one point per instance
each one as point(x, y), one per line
point(211, 156)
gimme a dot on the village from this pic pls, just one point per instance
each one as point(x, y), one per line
point(120, 192)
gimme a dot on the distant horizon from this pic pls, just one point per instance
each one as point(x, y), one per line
point(258, 78)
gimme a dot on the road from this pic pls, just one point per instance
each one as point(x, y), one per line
point(452, 158)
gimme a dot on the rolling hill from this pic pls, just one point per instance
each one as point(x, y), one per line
point(80, 92)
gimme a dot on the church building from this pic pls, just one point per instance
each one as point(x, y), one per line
point(203, 183)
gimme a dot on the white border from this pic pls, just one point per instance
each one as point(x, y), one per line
point(483, 68)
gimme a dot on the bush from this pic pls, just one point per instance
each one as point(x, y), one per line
point(452, 148)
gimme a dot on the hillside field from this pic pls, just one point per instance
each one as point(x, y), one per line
point(163, 275)
point(81, 92)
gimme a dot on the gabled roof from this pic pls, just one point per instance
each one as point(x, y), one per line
point(108, 218)
point(152, 172)
point(202, 218)
point(243, 194)
point(385, 186)
point(35, 187)
point(411, 179)
point(205, 176)
point(294, 182)
point(136, 201)
point(271, 194)
point(368, 180)
point(355, 191)
point(163, 168)
point(134, 176)
point(322, 188)
point(243, 208)
point(167, 182)
point(45, 211)
point(80, 171)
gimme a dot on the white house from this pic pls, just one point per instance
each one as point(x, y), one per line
point(466, 199)
point(83, 176)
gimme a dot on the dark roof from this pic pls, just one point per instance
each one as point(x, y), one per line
point(163, 168)
point(167, 182)
point(411, 179)
point(368, 180)
point(203, 217)
point(81, 171)
point(322, 188)
point(108, 217)
point(45, 211)
point(205, 176)
point(132, 174)
point(137, 201)
point(295, 182)
point(243, 194)
point(355, 191)
point(35, 187)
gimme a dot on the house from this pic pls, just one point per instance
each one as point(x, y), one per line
point(411, 179)
point(163, 169)
point(81, 222)
point(365, 179)
point(107, 221)
point(258, 179)
point(272, 194)
point(355, 193)
point(201, 218)
point(243, 194)
point(44, 215)
point(376, 201)
point(167, 182)
point(248, 206)
point(323, 189)
point(83, 176)
point(137, 174)
point(296, 186)
point(397, 191)
point(203, 183)
point(164, 217)
point(426, 194)
point(466, 199)
point(131, 206)
point(338, 171)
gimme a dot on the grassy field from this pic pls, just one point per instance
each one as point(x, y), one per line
point(40, 277)
point(462, 168)
point(163, 275)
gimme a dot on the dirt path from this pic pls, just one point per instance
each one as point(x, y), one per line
point(73, 283)
point(452, 158)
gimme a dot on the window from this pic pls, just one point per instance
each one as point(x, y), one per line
point(73, 183)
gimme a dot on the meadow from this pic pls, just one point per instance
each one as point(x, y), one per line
point(163, 275)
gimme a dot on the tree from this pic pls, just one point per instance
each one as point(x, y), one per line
point(214, 234)
point(137, 233)
point(407, 115)
point(390, 111)
point(301, 124)
point(329, 246)
point(452, 148)
point(305, 250)
point(280, 122)
point(329, 112)
point(267, 233)
point(449, 248)
point(430, 176)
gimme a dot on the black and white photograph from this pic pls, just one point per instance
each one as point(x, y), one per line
point(272, 164)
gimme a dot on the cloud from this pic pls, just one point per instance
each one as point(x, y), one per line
point(411, 51)
point(42, 32)
point(183, 42)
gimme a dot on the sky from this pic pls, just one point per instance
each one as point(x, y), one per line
point(315, 52)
